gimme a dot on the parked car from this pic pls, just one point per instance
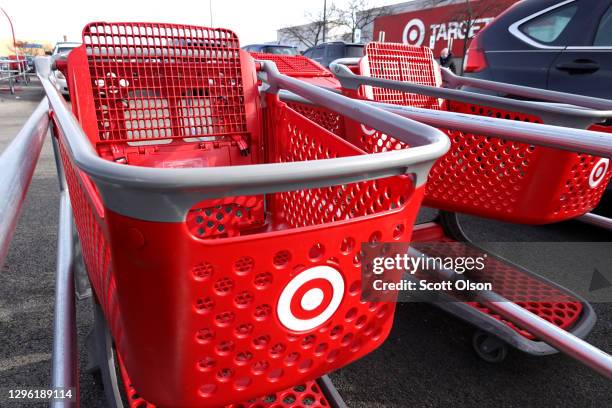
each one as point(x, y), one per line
point(559, 45)
point(61, 50)
point(277, 49)
point(327, 52)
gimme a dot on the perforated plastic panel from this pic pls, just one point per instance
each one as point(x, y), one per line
point(404, 63)
point(483, 175)
point(307, 395)
point(294, 65)
point(156, 81)
point(502, 174)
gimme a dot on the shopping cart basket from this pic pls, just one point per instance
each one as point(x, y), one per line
point(226, 266)
point(482, 175)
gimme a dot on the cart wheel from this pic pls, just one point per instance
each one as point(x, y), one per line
point(102, 359)
point(488, 347)
point(12, 86)
point(449, 221)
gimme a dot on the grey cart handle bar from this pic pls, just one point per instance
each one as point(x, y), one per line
point(562, 115)
point(166, 195)
point(573, 140)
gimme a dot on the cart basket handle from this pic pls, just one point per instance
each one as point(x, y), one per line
point(556, 137)
point(166, 195)
point(562, 115)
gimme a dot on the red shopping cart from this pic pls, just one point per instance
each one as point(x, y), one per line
point(481, 175)
point(484, 175)
point(490, 177)
point(221, 235)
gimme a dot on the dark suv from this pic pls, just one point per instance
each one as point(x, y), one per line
point(551, 44)
point(325, 53)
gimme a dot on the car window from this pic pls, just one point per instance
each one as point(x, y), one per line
point(353, 51)
point(604, 31)
point(548, 27)
point(317, 52)
point(335, 51)
point(281, 50)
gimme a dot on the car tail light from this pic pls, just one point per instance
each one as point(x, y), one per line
point(475, 59)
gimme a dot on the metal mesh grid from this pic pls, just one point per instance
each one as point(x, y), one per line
point(405, 63)
point(159, 81)
point(294, 65)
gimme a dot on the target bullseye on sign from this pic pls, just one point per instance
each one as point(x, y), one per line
point(310, 298)
point(598, 174)
point(414, 32)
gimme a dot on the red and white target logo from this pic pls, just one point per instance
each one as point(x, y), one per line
point(598, 174)
point(414, 32)
point(310, 298)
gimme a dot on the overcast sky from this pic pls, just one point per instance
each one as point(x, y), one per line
point(253, 20)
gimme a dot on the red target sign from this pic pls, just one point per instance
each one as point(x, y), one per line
point(414, 32)
point(310, 298)
point(598, 174)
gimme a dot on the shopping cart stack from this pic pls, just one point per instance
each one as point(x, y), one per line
point(225, 268)
point(310, 71)
point(489, 177)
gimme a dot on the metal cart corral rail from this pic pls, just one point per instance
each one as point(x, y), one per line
point(12, 71)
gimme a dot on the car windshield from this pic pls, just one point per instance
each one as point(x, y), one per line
point(354, 51)
point(281, 50)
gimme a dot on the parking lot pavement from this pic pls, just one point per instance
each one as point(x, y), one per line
point(426, 362)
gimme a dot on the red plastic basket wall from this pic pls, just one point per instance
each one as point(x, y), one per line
point(193, 305)
point(483, 175)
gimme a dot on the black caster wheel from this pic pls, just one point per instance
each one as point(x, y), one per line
point(489, 348)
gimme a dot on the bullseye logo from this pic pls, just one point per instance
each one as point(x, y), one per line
point(310, 298)
point(414, 32)
point(599, 172)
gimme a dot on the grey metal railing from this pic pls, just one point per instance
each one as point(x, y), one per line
point(17, 162)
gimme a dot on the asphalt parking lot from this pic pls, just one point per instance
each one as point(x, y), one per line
point(427, 361)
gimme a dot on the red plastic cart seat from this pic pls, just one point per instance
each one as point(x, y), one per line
point(248, 295)
point(481, 175)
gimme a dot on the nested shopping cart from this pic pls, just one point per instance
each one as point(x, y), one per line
point(495, 178)
point(221, 232)
point(505, 168)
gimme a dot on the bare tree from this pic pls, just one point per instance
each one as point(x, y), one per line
point(356, 15)
point(311, 33)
